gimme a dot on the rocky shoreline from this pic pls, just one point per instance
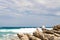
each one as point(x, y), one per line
point(53, 34)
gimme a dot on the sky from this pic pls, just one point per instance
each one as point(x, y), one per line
point(29, 12)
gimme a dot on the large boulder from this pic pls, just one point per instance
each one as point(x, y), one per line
point(31, 37)
point(49, 36)
point(57, 27)
point(58, 32)
point(56, 38)
point(20, 35)
point(38, 34)
point(23, 37)
point(47, 31)
point(57, 35)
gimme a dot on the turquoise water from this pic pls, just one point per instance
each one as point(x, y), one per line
point(8, 31)
point(2, 34)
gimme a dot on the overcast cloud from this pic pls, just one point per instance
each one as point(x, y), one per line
point(29, 12)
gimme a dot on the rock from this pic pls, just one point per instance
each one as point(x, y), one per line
point(23, 36)
point(47, 31)
point(28, 34)
point(53, 34)
point(20, 35)
point(57, 27)
point(31, 37)
point(49, 36)
point(34, 38)
point(56, 38)
point(57, 35)
point(58, 32)
point(38, 34)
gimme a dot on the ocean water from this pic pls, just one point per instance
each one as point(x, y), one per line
point(7, 32)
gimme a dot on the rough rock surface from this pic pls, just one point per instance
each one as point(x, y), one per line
point(53, 34)
point(38, 34)
point(57, 27)
point(47, 31)
point(23, 37)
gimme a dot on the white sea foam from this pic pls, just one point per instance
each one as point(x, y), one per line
point(21, 30)
point(10, 37)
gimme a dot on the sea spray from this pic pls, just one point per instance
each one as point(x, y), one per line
point(5, 34)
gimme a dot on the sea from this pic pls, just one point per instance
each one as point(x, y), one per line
point(7, 32)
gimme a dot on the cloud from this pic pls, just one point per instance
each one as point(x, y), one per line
point(36, 7)
point(47, 6)
point(49, 3)
point(57, 13)
point(22, 10)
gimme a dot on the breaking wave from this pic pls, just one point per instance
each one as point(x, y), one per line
point(5, 34)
